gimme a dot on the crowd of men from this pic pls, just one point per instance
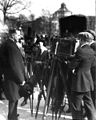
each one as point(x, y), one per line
point(82, 66)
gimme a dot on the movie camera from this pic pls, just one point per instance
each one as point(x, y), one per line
point(70, 26)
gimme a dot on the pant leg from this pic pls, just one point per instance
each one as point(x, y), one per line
point(89, 106)
point(12, 111)
point(93, 95)
point(76, 106)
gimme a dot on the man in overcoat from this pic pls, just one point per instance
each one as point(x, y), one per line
point(82, 82)
point(93, 70)
point(13, 70)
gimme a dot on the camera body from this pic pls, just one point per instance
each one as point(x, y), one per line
point(66, 46)
point(69, 27)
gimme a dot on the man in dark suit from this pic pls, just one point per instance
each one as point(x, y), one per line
point(93, 70)
point(82, 82)
point(12, 65)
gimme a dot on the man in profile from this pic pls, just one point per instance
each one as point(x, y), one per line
point(82, 82)
point(93, 69)
point(12, 65)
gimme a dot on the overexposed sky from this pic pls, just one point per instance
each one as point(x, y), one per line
point(86, 7)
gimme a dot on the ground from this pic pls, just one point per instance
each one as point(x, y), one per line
point(25, 112)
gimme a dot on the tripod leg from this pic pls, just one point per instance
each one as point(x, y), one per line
point(52, 110)
point(37, 107)
point(47, 96)
point(31, 104)
point(31, 96)
point(47, 99)
point(49, 90)
point(43, 93)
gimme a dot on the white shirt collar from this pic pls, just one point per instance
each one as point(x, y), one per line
point(84, 44)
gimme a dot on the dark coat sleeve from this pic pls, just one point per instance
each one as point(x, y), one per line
point(13, 64)
point(74, 61)
point(16, 63)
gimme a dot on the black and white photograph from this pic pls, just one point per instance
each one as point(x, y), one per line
point(47, 59)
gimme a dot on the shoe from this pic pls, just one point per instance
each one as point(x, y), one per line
point(24, 103)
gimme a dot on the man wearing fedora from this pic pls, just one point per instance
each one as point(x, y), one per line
point(82, 82)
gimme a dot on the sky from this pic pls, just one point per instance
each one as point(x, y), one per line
point(85, 7)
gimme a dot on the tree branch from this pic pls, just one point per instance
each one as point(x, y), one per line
point(1, 3)
point(16, 11)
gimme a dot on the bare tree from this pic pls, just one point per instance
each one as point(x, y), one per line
point(22, 18)
point(46, 13)
point(12, 7)
point(48, 16)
